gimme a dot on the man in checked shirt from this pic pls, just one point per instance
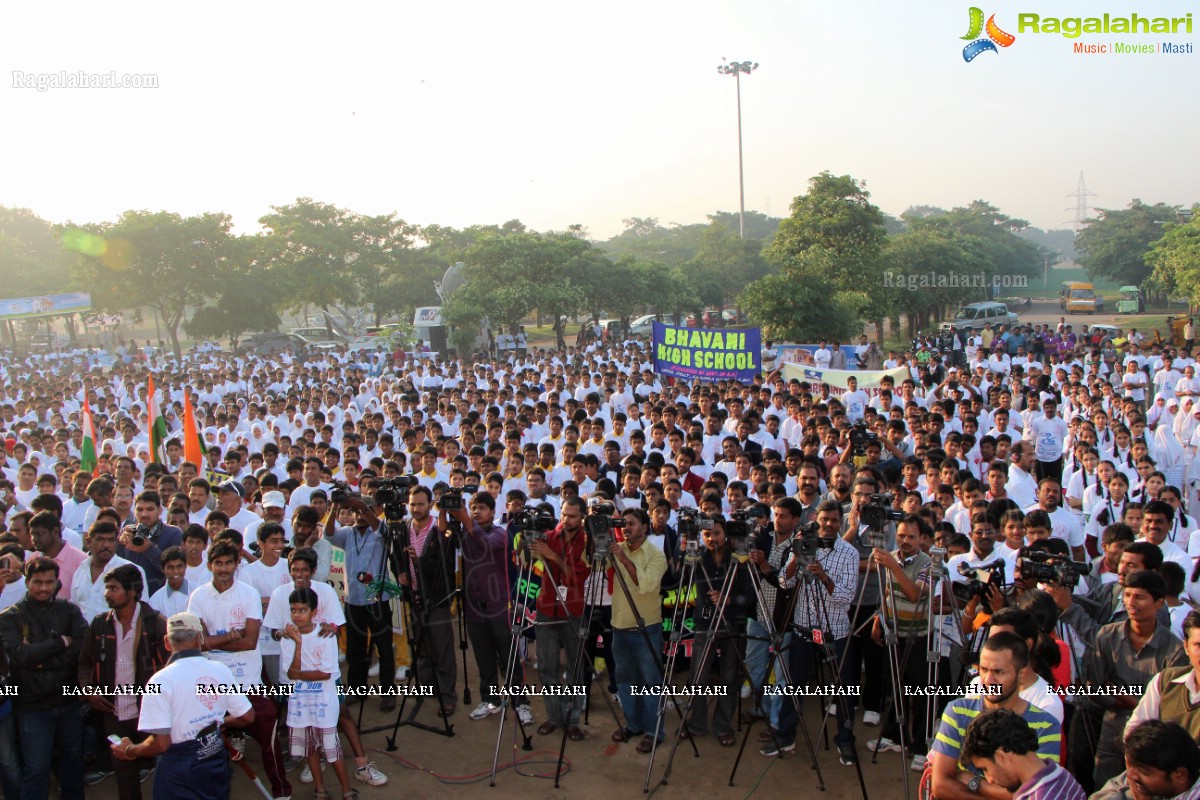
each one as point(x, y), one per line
point(821, 619)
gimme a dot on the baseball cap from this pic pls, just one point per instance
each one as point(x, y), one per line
point(274, 500)
point(233, 486)
point(184, 622)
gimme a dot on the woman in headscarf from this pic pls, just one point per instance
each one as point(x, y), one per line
point(1167, 450)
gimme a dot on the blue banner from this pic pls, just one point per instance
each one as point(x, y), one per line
point(707, 354)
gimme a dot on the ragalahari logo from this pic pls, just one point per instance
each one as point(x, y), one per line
point(995, 36)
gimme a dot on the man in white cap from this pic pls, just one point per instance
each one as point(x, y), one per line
point(274, 506)
point(230, 496)
point(184, 721)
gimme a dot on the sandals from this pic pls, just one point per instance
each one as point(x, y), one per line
point(646, 744)
point(727, 740)
point(621, 736)
point(547, 728)
point(574, 734)
point(321, 794)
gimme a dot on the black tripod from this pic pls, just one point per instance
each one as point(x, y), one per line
point(397, 539)
point(454, 539)
point(517, 628)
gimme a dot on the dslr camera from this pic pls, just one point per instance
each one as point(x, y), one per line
point(141, 535)
point(860, 437)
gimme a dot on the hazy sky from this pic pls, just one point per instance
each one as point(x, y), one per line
point(460, 113)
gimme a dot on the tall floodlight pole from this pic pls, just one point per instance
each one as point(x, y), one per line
point(736, 68)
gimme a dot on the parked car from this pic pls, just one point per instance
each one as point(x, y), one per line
point(974, 316)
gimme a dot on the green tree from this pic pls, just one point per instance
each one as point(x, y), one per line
point(837, 220)
point(32, 260)
point(1007, 253)
point(244, 300)
point(795, 305)
point(156, 259)
point(931, 249)
point(724, 264)
point(759, 226)
point(644, 238)
point(1115, 243)
point(1175, 259)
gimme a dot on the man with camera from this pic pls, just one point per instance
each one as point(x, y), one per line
point(563, 553)
point(719, 631)
point(867, 529)
point(368, 619)
point(825, 572)
point(431, 577)
point(143, 544)
point(772, 548)
point(485, 589)
point(637, 626)
point(904, 609)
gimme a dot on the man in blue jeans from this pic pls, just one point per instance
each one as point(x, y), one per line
point(822, 619)
point(641, 568)
point(42, 637)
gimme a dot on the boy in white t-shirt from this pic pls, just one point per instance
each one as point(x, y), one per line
point(312, 716)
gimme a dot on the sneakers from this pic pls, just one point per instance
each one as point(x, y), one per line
point(525, 715)
point(871, 718)
point(373, 672)
point(773, 750)
point(847, 755)
point(306, 774)
point(290, 762)
point(484, 709)
point(918, 763)
point(884, 745)
point(370, 776)
point(745, 690)
point(831, 709)
point(92, 777)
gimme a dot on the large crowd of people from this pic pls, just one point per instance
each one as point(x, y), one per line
point(1007, 524)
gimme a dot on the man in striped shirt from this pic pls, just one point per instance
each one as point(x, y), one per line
point(1002, 662)
point(1001, 744)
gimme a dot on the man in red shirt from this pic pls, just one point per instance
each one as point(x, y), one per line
point(559, 609)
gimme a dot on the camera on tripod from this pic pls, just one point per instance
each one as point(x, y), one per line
point(977, 583)
point(1042, 566)
point(691, 522)
point(141, 535)
point(532, 524)
point(600, 523)
point(453, 500)
point(740, 526)
point(807, 542)
point(878, 510)
point(394, 491)
point(340, 492)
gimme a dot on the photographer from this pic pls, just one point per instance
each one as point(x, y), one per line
point(715, 565)
point(638, 657)
point(770, 552)
point(431, 574)
point(865, 655)
point(143, 544)
point(821, 619)
point(368, 620)
point(905, 599)
point(565, 568)
point(486, 594)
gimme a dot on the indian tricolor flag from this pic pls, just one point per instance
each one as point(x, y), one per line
point(87, 453)
point(158, 428)
point(193, 444)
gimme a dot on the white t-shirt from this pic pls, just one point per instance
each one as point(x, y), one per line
point(169, 602)
point(179, 707)
point(279, 613)
point(313, 704)
point(1048, 437)
point(226, 611)
point(89, 595)
point(1041, 695)
point(1063, 525)
point(265, 581)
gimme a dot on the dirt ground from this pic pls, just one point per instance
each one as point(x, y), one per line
point(433, 767)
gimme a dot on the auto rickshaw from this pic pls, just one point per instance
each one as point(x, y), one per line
point(1131, 301)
